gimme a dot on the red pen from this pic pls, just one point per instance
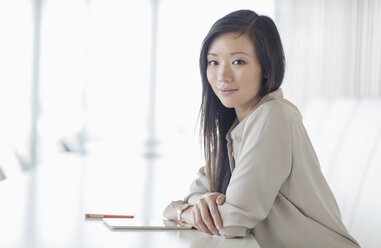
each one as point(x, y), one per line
point(101, 216)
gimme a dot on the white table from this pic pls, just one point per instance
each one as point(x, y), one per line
point(45, 208)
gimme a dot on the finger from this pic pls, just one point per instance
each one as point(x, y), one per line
point(198, 227)
point(206, 217)
point(194, 218)
point(220, 199)
point(197, 220)
point(193, 214)
point(200, 222)
point(216, 216)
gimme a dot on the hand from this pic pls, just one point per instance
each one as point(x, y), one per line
point(205, 214)
point(170, 211)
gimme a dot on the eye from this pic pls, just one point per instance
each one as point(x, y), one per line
point(212, 62)
point(239, 62)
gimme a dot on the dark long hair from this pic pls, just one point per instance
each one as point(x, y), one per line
point(216, 119)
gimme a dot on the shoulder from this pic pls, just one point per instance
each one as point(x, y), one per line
point(271, 118)
point(278, 110)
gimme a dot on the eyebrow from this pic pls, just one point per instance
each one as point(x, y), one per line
point(233, 53)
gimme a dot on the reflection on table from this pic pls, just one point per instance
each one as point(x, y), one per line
point(45, 207)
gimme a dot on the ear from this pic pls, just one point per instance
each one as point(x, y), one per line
point(264, 79)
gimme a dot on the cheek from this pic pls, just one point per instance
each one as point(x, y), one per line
point(209, 76)
point(253, 80)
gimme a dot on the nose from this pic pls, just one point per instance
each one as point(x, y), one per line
point(225, 74)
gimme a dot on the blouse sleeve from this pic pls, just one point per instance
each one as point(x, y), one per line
point(262, 166)
point(198, 187)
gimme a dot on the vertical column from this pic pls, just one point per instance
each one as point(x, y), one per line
point(35, 108)
point(150, 154)
point(151, 120)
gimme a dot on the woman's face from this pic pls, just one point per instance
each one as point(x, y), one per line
point(234, 72)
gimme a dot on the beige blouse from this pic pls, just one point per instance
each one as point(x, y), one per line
point(277, 190)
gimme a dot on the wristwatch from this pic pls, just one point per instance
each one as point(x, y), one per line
point(180, 210)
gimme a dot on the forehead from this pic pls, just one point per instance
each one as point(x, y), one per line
point(231, 42)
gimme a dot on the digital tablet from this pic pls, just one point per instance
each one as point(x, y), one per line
point(144, 224)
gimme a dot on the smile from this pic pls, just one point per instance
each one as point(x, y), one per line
point(227, 92)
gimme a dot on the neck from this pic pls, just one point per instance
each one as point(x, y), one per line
point(244, 111)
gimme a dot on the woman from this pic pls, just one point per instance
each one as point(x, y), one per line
point(262, 174)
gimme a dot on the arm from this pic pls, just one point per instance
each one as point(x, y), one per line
point(199, 187)
point(203, 214)
point(262, 166)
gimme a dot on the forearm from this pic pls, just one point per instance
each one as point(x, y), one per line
point(226, 232)
point(203, 214)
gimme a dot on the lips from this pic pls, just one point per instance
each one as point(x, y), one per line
point(227, 91)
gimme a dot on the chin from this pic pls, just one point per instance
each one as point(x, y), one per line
point(228, 105)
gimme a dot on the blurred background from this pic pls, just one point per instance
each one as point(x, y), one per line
point(116, 83)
